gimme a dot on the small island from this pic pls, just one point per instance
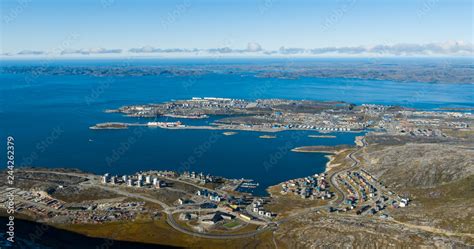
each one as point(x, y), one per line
point(267, 136)
point(320, 149)
point(110, 125)
point(229, 133)
point(321, 136)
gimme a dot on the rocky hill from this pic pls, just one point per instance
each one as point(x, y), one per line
point(419, 165)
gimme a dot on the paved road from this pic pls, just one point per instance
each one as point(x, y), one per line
point(271, 226)
point(196, 185)
point(255, 222)
point(172, 222)
point(355, 163)
point(340, 197)
point(135, 195)
point(83, 175)
point(167, 209)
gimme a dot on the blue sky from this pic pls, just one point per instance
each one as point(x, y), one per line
point(119, 24)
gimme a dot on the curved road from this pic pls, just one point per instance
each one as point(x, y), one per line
point(341, 193)
point(167, 209)
point(354, 164)
point(271, 226)
point(172, 222)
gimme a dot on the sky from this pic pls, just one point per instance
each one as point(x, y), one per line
point(265, 27)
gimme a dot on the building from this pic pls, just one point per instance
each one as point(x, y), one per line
point(129, 182)
point(234, 207)
point(212, 219)
point(245, 217)
point(203, 192)
point(215, 198)
point(185, 216)
point(105, 178)
point(226, 216)
point(148, 179)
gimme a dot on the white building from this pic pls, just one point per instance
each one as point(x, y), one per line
point(403, 202)
point(105, 178)
point(156, 183)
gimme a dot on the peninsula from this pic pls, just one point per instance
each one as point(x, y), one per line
point(403, 180)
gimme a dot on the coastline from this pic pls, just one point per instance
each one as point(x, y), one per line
point(47, 235)
point(330, 155)
point(320, 149)
point(330, 165)
point(104, 126)
point(329, 162)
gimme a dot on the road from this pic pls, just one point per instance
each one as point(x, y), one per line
point(135, 195)
point(338, 200)
point(172, 222)
point(355, 163)
point(167, 209)
point(195, 185)
point(340, 197)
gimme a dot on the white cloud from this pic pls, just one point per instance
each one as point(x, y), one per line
point(91, 51)
point(30, 52)
point(450, 48)
point(149, 49)
point(253, 47)
point(146, 49)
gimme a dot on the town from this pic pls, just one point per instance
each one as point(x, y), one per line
point(207, 206)
point(192, 202)
point(274, 115)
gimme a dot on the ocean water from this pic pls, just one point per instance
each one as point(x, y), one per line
point(49, 117)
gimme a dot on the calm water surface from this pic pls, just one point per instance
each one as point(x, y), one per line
point(50, 116)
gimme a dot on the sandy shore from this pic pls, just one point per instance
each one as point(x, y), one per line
point(330, 164)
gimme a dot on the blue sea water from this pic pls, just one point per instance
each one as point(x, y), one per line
point(49, 117)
